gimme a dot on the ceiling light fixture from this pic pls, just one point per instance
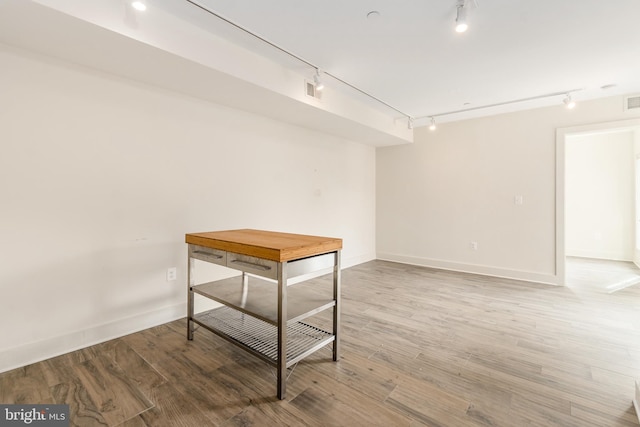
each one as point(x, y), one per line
point(139, 5)
point(318, 81)
point(410, 123)
point(432, 126)
point(568, 102)
point(461, 17)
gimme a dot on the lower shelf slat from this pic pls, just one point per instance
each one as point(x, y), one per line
point(260, 337)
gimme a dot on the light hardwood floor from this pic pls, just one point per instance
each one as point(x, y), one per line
point(420, 347)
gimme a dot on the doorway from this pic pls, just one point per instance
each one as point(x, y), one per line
point(597, 205)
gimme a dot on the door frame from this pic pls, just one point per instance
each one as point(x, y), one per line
point(636, 165)
point(561, 135)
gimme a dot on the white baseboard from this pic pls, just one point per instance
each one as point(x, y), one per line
point(609, 256)
point(483, 270)
point(26, 354)
point(636, 401)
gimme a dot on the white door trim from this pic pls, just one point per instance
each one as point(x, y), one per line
point(561, 134)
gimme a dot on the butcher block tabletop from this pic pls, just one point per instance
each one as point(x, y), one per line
point(270, 245)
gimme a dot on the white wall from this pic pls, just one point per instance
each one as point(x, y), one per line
point(599, 200)
point(101, 177)
point(458, 184)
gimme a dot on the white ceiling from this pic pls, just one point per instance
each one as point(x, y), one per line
point(409, 57)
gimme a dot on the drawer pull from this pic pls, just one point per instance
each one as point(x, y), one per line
point(215, 256)
point(251, 265)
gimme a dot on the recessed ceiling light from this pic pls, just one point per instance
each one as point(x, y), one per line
point(139, 5)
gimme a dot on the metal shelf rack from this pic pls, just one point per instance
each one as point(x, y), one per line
point(264, 315)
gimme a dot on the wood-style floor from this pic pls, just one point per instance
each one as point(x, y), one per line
point(420, 347)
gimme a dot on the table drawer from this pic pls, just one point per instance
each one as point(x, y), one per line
point(202, 253)
point(253, 265)
point(311, 264)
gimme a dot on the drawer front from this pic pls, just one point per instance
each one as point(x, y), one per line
point(202, 253)
point(253, 265)
point(310, 264)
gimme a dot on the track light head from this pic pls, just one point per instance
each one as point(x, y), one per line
point(318, 82)
point(139, 5)
point(432, 126)
point(568, 102)
point(461, 18)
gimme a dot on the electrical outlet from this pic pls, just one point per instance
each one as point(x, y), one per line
point(473, 245)
point(172, 274)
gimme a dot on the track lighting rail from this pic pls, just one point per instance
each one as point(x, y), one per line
point(410, 119)
point(293, 55)
point(499, 104)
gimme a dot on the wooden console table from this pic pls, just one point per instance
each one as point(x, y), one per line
point(265, 317)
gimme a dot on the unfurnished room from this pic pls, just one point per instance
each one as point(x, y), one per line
point(291, 213)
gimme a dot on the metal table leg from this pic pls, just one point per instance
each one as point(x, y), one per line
point(190, 302)
point(336, 309)
point(282, 330)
